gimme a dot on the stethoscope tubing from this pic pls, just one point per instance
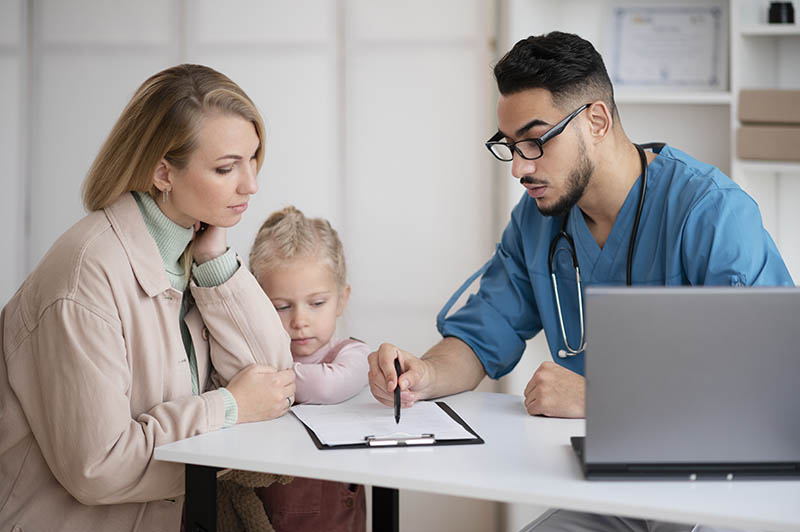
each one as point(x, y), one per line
point(562, 233)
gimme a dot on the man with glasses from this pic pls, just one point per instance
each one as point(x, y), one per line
point(597, 209)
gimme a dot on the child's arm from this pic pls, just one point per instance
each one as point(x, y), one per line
point(336, 381)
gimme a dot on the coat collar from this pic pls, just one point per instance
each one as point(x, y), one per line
point(127, 222)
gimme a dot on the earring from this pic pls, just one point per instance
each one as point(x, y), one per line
point(164, 195)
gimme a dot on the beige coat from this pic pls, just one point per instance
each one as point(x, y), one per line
point(94, 376)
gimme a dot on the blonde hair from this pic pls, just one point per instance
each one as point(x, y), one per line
point(162, 121)
point(287, 234)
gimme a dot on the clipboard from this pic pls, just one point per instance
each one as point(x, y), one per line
point(405, 440)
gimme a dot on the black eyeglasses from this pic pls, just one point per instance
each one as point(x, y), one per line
point(530, 149)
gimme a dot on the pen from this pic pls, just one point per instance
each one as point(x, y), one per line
point(397, 391)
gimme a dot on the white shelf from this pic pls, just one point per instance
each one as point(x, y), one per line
point(770, 30)
point(769, 166)
point(662, 96)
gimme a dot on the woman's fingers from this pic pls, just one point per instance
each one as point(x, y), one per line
point(261, 392)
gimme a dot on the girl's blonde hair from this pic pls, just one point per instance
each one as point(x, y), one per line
point(288, 234)
point(162, 121)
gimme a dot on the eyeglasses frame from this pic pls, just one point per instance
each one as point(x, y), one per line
point(540, 141)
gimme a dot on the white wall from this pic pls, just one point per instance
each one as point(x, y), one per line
point(416, 187)
point(13, 131)
point(87, 59)
point(375, 114)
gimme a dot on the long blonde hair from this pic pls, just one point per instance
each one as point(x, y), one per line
point(288, 234)
point(162, 121)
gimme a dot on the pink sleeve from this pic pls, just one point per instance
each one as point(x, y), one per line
point(336, 381)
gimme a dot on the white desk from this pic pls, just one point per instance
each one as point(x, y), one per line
point(524, 460)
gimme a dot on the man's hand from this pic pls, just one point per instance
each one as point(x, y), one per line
point(555, 391)
point(415, 379)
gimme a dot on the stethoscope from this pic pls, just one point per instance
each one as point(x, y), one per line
point(562, 353)
point(562, 233)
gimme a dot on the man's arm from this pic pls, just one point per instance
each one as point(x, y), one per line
point(725, 244)
point(455, 367)
point(446, 368)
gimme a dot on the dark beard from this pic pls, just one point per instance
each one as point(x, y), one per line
point(576, 185)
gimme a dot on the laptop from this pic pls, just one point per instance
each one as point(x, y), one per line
point(691, 382)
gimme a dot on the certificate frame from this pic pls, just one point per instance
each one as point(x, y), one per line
point(679, 46)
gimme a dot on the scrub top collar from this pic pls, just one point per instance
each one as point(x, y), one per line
point(591, 257)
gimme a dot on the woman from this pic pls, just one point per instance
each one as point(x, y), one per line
point(139, 327)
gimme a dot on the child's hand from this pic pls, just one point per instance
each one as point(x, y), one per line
point(383, 378)
point(262, 392)
point(210, 241)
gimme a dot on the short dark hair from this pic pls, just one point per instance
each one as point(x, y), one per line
point(564, 64)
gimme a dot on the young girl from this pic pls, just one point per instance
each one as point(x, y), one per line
point(299, 262)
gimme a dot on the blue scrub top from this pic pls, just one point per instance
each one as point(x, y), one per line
point(697, 228)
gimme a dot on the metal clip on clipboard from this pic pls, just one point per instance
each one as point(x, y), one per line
point(399, 440)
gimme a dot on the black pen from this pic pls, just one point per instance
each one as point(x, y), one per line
point(397, 392)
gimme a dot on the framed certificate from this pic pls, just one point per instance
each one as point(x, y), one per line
point(680, 46)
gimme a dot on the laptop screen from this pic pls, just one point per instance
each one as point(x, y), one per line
point(692, 375)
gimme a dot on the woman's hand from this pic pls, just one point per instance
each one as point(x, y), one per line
point(261, 392)
point(209, 243)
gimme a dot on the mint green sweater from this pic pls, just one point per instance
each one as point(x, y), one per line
point(171, 240)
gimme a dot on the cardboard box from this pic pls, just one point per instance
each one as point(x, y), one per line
point(765, 106)
point(771, 143)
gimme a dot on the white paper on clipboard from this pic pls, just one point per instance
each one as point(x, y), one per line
point(675, 45)
point(349, 422)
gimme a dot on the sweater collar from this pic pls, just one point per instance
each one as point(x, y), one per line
point(171, 238)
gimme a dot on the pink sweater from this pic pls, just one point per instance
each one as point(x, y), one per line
point(332, 374)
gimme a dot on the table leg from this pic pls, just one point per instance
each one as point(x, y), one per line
point(201, 498)
point(385, 510)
